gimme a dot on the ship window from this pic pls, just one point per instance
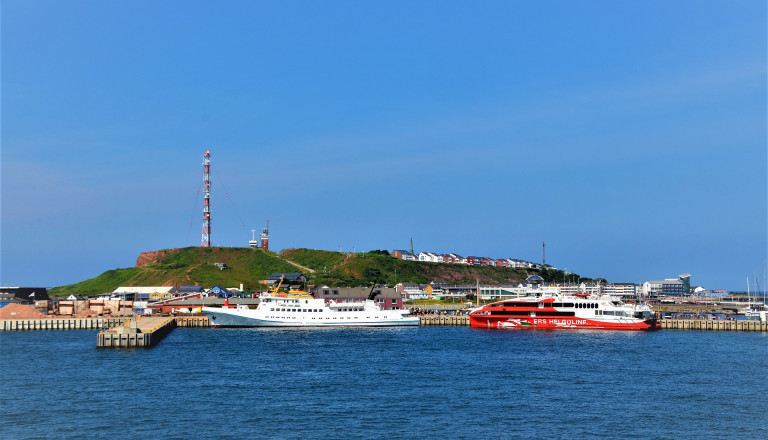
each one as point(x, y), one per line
point(335, 292)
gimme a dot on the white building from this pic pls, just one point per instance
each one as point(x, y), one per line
point(411, 291)
point(429, 257)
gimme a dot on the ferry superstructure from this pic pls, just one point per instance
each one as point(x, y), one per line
point(300, 309)
point(552, 310)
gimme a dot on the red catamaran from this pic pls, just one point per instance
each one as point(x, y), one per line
point(552, 310)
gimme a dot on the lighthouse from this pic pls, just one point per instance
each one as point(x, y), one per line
point(265, 237)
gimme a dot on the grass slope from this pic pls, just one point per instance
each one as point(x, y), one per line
point(339, 269)
point(187, 266)
point(194, 266)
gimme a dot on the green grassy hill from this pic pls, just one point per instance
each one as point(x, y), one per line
point(340, 269)
point(194, 266)
point(187, 266)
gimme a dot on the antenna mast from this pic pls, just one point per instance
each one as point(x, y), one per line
point(206, 241)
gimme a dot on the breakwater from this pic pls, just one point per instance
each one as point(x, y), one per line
point(87, 323)
point(60, 324)
point(142, 332)
point(444, 320)
point(715, 325)
point(424, 320)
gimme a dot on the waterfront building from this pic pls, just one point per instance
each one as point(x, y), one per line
point(220, 292)
point(411, 291)
point(680, 286)
point(387, 298)
point(130, 293)
point(22, 295)
point(190, 290)
point(686, 280)
point(623, 290)
point(571, 289)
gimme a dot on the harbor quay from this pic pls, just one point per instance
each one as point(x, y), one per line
point(144, 324)
point(140, 332)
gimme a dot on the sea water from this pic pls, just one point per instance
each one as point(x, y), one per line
point(384, 383)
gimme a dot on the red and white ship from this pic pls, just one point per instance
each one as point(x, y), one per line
point(552, 310)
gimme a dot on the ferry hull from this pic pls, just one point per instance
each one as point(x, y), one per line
point(232, 318)
point(576, 323)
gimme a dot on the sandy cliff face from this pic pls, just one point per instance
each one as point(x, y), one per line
point(148, 257)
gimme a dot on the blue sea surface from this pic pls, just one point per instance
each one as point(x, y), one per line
point(420, 382)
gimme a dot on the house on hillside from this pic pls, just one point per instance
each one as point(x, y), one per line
point(458, 259)
point(403, 255)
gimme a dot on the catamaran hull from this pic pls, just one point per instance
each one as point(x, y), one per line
point(225, 318)
point(485, 321)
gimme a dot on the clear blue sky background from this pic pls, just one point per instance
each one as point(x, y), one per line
point(628, 135)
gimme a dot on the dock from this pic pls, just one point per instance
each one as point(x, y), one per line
point(145, 336)
point(141, 332)
point(444, 320)
point(714, 325)
point(60, 324)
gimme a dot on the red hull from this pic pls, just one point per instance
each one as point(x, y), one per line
point(486, 321)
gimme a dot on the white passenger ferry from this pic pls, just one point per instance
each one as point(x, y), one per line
point(300, 309)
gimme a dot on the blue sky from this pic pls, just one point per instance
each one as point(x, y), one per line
point(630, 136)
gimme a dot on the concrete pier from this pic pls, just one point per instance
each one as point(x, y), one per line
point(444, 320)
point(192, 321)
point(59, 324)
point(714, 325)
point(425, 320)
point(142, 332)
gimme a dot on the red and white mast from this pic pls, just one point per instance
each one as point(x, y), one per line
point(206, 241)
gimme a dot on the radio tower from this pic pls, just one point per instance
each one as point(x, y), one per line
point(206, 242)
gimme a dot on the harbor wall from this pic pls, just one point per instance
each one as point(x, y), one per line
point(136, 333)
point(425, 320)
point(88, 323)
point(714, 325)
point(60, 324)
